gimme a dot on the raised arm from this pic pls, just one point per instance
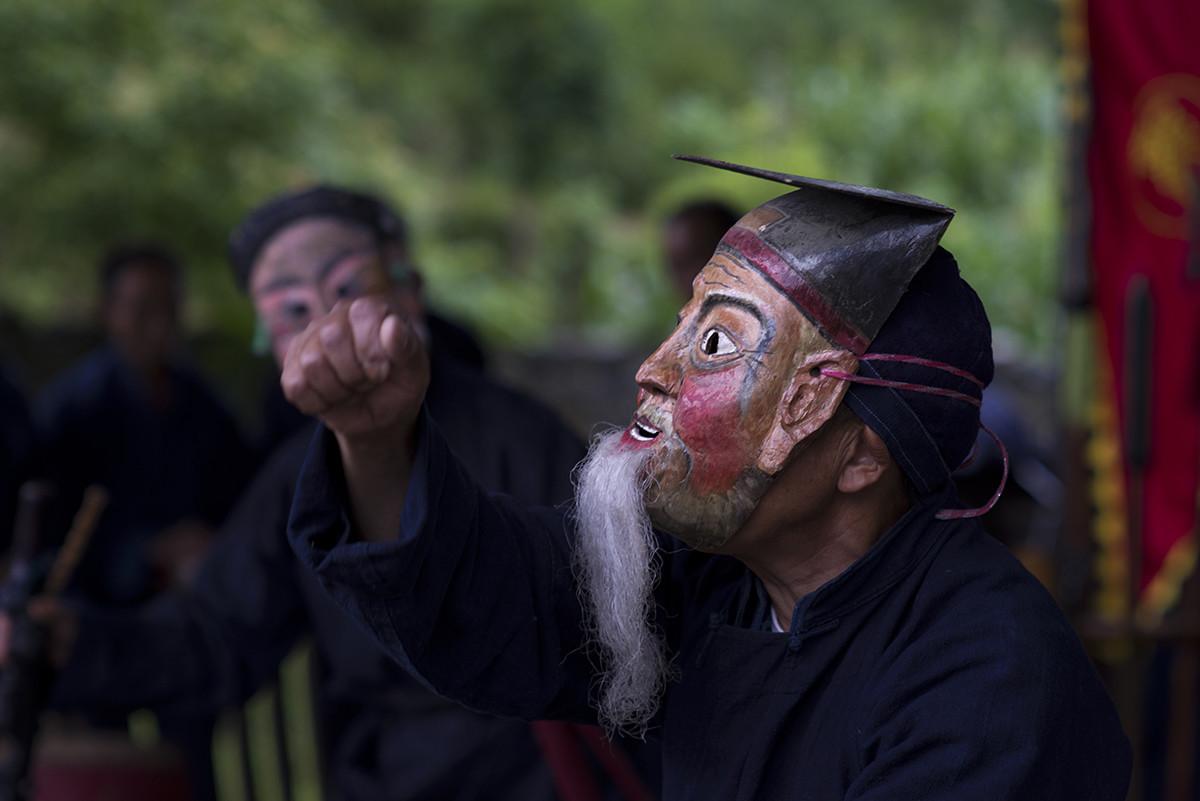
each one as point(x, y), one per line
point(472, 592)
point(363, 371)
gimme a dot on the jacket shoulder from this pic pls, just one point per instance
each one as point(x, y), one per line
point(979, 656)
point(77, 388)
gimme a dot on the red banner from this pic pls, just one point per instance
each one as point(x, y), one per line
point(1143, 165)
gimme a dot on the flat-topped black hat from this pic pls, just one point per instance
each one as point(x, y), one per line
point(843, 253)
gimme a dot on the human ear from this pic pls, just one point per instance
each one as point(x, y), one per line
point(808, 403)
point(866, 461)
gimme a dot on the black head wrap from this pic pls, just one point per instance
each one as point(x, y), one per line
point(941, 319)
point(248, 239)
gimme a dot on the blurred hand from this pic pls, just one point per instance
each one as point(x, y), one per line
point(60, 620)
point(362, 370)
point(178, 551)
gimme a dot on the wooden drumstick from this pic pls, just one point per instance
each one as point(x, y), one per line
point(95, 499)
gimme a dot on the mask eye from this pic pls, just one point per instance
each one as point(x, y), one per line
point(716, 342)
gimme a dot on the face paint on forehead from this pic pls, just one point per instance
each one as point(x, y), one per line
point(356, 274)
point(307, 250)
point(721, 271)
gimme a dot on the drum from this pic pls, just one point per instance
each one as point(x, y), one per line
point(102, 766)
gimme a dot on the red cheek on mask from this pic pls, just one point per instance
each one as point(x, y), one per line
point(708, 418)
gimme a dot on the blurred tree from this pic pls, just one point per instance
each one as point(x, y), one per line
point(527, 139)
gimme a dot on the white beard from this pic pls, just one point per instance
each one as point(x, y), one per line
point(617, 566)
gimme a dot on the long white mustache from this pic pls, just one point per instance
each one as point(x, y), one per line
point(617, 565)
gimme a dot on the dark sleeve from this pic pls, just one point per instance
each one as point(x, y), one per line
point(16, 435)
point(564, 452)
point(508, 442)
point(1009, 716)
point(60, 455)
point(230, 461)
point(214, 644)
point(476, 596)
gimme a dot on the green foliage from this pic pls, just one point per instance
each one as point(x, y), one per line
point(528, 140)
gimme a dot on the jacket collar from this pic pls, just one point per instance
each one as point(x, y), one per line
point(890, 560)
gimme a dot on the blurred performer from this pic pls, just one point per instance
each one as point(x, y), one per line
point(133, 419)
point(454, 344)
point(837, 626)
point(689, 237)
point(384, 735)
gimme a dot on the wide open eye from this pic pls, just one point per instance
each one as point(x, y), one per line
point(716, 342)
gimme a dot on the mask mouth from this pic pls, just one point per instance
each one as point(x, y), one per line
point(641, 430)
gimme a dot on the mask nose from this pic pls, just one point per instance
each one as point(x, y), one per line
point(662, 371)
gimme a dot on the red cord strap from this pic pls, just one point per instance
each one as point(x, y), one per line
point(944, 514)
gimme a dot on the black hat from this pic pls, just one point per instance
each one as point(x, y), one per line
point(844, 254)
point(863, 264)
point(318, 201)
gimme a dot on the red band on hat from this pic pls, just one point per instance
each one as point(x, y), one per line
point(767, 261)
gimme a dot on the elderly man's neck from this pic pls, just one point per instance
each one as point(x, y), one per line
point(795, 555)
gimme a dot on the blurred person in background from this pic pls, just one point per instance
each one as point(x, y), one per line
point(383, 735)
point(689, 237)
point(135, 419)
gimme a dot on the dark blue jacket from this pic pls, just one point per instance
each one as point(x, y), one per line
point(161, 466)
point(384, 736)
point(16, 437)
point(933, 668)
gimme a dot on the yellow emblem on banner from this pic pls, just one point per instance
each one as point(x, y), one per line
point(1164, 152)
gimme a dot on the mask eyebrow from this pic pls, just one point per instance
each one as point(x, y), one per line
point(323, 271)
point(328, 266)
point(721, 299)
point(283, 282)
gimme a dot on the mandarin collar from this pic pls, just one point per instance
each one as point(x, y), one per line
point(889, 561)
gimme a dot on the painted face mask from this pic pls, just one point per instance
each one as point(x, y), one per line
point(710, 401)
point(778, 321)
point(302, 251)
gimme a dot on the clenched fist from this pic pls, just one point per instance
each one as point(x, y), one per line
point(362, 369)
